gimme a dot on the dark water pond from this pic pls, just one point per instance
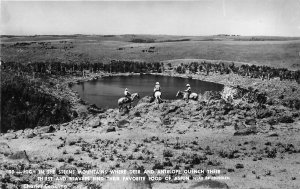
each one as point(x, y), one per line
point(106, 91)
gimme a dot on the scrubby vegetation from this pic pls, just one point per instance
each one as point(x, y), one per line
point(139, 40)
point(124, 66)
point(24, 104)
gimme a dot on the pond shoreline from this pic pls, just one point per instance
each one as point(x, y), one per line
point(105, 91)
point(273, 87)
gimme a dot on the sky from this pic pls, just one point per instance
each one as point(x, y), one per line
point(202, 17)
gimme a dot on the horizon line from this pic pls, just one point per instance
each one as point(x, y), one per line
point(229, 35)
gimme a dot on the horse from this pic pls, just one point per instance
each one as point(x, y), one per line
point(125, 100)
point(183, 94)
point(157, 96)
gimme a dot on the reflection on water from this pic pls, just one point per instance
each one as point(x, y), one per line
point(106, 91)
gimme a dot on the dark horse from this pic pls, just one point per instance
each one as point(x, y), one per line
point(183, 94)
point(125, 100)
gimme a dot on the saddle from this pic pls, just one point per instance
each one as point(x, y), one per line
point(127, 99)
point(187, 94)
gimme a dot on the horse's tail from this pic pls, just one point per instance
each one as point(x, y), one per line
point(158, 96)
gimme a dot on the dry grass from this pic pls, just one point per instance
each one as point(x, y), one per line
point(277, 52)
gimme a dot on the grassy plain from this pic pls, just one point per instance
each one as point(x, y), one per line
point(271, 51)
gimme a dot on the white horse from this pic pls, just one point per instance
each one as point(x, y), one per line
point(125, 100)
point(157, 96)
point(183, 94)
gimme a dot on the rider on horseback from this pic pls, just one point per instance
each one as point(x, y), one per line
point(156, 88)
point(127, 94)
point(188, 90)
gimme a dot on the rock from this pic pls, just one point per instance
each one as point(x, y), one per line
point(137, 114)
point(72, 140)
point(111, 129)
point(273, 134)
point(46, 129)
point(228, 93)
point(156, 119)
point(197, 159)
point(211, 95)
point(271, 153)
point(267, 173)
point(65, 158)
point(47, 136)
point(286, 119)
point(272, 121)
point(199, 107)
point(123, 123)
point(51, 129)
point(95, 122)
point(167, 163)
point(146, 99)
point(263, 113)
point(166, 121)
point(5, 149)
point(250, 122)
point(246, 131)
point(230, 170)
point(124, 111)
point(171, 109)
point(10, 136)
point(239, 126)
point(95, 110)
point(209, 184)
point(20, 132)
point(31, 135)
point(104, 122)
point(227, 108)
point(158, 165)
point(290, 148)
point(239, 166)
point(226, 123)
point(268, 143)
point(218, 125)
point(20, 155)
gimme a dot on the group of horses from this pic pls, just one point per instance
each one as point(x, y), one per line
point(157, 98)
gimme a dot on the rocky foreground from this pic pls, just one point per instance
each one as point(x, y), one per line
point(237, 143)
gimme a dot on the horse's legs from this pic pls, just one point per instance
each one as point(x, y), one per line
point(159, 100)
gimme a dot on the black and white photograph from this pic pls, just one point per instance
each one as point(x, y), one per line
point(191, 94)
